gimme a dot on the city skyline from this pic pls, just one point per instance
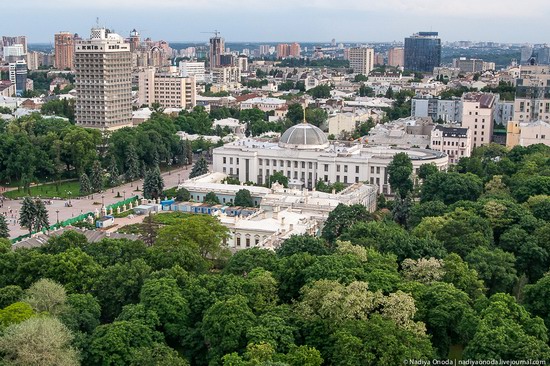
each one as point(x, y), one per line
point(349, 20)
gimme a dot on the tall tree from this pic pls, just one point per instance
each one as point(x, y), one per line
point(399, 171)
point(243, 198)
point(188, 152)
point(113, 172)
point(132, 163)
point(27, 215)
point(153, 184)
point(41, 218)
point(4, 231)
point(200, 168)
point(85, 185)
point(97, 177)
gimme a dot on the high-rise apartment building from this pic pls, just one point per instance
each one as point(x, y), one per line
point(283, 50)
point(103, 66)
point(18, 76)
point(361, 60)
point(477, 115)
point(295, 50)
point(264, 49)
point(396, 57)
point(217, 48)
point(169, 89)
point(422, 52)
point(64, 50)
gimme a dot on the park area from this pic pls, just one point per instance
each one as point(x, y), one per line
point(64, 190)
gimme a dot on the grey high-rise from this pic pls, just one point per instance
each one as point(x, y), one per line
point(103, 67)
point(422, 52)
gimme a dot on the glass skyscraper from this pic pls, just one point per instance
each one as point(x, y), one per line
point(422, 52)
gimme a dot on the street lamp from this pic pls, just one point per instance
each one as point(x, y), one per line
point(57, 215)
point(124, 193)
point(102, 201)
point(69, 194)
point(179, 181)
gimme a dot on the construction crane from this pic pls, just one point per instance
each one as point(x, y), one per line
point(216, 32)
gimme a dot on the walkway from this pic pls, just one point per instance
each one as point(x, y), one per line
point(58, 211)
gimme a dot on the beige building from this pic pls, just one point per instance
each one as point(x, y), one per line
point(103, 66)
point(532, 101)
point(170, 90)
point(477, 115)
point(455, 142)
point(64, 50)
point(527, 133)
point(396, 57)
point(361, 60)
point(225, 75)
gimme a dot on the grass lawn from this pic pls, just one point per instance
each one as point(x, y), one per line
point(49, 191)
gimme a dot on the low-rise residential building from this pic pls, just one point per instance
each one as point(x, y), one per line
point(456, 142)
point(527, 133)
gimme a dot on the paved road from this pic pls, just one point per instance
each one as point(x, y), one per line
point(81, 205)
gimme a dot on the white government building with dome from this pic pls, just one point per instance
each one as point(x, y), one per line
point(305, 155)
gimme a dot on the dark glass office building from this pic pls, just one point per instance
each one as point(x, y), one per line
point(422, 52)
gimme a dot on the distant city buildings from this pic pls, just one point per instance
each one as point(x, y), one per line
point(14, 48)
point(422, 52)
point(396, 57)
point(472, 65)
point(285, 50)
point(64, 50)
point(103, 66)
point(361, 60)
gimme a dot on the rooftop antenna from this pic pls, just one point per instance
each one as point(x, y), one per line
point(97, 21)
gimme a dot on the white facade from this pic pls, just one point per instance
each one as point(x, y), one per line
point(282, 211)
point(455, 142)
point(307, 157)
point(264, 104)
point(15, 50)
point(477, 115)
point(193, 68)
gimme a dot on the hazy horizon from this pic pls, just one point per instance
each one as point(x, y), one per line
point(285, 20)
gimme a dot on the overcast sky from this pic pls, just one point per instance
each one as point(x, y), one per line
point(284, 20)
